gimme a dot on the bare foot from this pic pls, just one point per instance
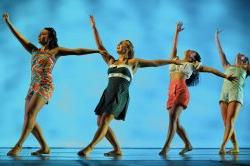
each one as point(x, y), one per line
point(222, 151)
point(186, 149)
point(41, 151)
point(84, 152)
point(113, 153)
point(14, 151)
point(164, 151)
point(233, 151)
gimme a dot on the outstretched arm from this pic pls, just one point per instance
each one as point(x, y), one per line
point(154, 63)
point(105, 55)
point(223, 58)
point(216, 72)
point(26, 44)
point(179, 28)
point(77, 51)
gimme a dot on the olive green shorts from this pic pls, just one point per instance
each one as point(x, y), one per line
point(229, 95)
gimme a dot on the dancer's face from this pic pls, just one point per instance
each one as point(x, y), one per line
point(43, 37)
point(241, 59)
point(122, 48)
point(190, 55)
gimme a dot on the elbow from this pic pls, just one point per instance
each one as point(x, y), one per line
point(156, 64)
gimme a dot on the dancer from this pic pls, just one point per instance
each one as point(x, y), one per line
point(114, 101)
point(231, 98)
point(181, 77)
point(41, 87)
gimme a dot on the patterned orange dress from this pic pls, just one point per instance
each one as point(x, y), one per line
point(42, 64)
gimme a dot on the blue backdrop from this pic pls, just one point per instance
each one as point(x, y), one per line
point(69, 120)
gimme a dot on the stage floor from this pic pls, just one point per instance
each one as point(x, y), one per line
point(131, 156)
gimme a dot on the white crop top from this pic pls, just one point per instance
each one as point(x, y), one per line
point(187, 68)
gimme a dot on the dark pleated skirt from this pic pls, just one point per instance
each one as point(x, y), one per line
point(115, 98)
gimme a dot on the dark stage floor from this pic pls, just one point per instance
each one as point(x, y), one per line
point(131, 156)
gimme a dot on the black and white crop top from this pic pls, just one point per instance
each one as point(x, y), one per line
point(122, 70)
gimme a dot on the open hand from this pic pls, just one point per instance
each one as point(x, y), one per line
point(179, 26)
point(5, 16)
point(218, 31)
point(232, 78)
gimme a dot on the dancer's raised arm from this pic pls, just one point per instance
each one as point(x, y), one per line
point(223, 58)
point(26, 44)
point(179, 28)
point(105, 55)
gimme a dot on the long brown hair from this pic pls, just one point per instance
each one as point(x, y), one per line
point(52, 34)
point(194, 78)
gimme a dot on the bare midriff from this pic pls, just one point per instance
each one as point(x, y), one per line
point(177, 76)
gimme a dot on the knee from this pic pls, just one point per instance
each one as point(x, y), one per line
point(105, 120)
point(173, 117)
point(229, 124)
point(30, 115)
point(179, 127)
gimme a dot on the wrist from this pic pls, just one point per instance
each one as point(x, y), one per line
point(7, 21)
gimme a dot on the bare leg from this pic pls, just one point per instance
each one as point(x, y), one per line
point(223, 108)
point(110, 135)
point(181, 132)
point(235, 149)
point(232, 112)
point(37, 132)
point(99, 135)
point(34, 106)
point(173, 117)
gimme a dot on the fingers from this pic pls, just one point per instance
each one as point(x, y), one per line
point(179, 26)
point(232, 78)
point(218, 31)
point(5, 16)
point(235, 79)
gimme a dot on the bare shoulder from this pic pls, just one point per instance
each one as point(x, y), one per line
point(175, 58)
point(111, 61)
point(135, 63)
point(57, 51)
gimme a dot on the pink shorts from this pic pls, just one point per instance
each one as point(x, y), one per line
point(44, 91)
point(178, 94)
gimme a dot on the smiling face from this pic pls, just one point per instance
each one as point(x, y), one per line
point(241, 59)
point(43, 37)
point(122, 48)
point(125, 48)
